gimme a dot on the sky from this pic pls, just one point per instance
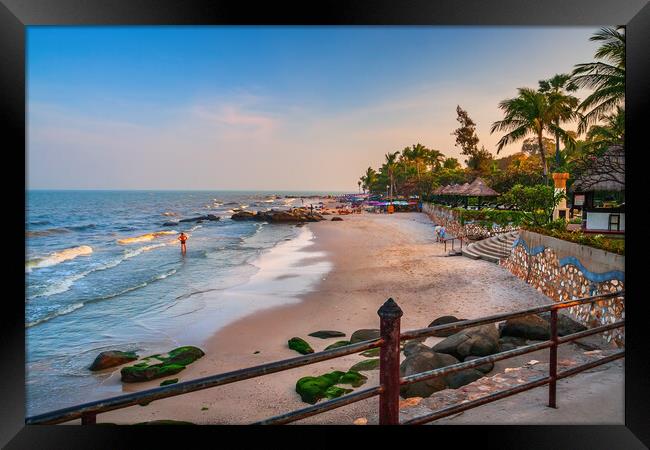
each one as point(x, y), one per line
point(268, 108)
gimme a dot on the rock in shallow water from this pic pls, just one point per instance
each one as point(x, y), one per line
point(112, 358)
point(174, 362)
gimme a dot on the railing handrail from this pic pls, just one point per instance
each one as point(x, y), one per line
point(123, 401)
point(455, 326)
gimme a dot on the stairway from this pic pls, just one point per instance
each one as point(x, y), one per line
point(491, 249)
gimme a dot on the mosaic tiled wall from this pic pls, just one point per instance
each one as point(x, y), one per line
point(450, 219)
point(567, 278)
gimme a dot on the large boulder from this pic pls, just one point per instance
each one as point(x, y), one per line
point(485, 368)
point(413, 347)
point(511, 342)
point(364, 335)
point(528, 327)
point(477, 341)
point(243, 215)
point(326, 334)
point(426, 361)
point(565, 324)
point(443, 321)
point(336, 219)
point(112, 358)
point(171, 223)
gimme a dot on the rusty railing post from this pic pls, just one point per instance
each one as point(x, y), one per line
point(88, 419)
point(553, 361)
point(389, 377)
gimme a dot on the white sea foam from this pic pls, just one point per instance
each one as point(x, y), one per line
point(61, 312)
point(58, 257)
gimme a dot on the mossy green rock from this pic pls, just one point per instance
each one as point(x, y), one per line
point(353, 378)
point(337, 344)
point(167, 382)
point(183, 355)
point(312, 389)
point(112, 358)
point(135, 374)
point(370, 364)
point(300, 345)
point(175, 361)
point(372, 353)
point(335, 391)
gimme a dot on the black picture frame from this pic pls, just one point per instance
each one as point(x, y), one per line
point(15, 15)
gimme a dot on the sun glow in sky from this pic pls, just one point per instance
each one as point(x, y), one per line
point(267, 108)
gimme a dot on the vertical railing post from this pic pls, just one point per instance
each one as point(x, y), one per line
point(88, 419)
point(389, 377)
point(553, 361)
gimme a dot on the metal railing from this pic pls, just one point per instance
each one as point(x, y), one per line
point(389, 375)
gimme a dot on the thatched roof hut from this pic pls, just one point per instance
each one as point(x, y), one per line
point(606, 173)
point(479, 188)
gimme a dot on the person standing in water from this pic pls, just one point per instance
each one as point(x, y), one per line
point(183, 238)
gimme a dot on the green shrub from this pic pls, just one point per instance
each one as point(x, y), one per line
point(613, 245)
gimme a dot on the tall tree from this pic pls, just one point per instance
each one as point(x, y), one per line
point(467, 140)
point(391, 164)
point(529, 113)
point(563, 105)
point(610, 132)
point(369, 179)
point(605, 77)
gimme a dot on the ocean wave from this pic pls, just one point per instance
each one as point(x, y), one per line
point(146, 248)
point(47, 232)
point(168, 213)
point(88, 226)
point(67, 310)
point(145, 237)
point(70, 308)
point(58, 257)
point(40, 222)
point(64, 285)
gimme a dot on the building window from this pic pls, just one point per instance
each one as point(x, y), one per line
point(614, 222)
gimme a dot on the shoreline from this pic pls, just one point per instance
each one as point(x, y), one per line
point(374, 257)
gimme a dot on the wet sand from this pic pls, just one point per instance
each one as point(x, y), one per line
point(374, 257)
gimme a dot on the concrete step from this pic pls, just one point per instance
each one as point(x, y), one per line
point(467, 251)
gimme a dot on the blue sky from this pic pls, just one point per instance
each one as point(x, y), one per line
point(266, 107)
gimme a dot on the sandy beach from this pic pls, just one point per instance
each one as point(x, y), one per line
point(374, 257)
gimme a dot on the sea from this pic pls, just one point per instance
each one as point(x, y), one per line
point(104, 272)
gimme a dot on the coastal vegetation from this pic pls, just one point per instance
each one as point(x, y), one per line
point(537, 118)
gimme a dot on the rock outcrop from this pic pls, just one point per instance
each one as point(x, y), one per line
point(477, 341)
point(112, 358)
point(273, 216)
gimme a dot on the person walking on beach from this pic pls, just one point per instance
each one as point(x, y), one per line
point(183, 238)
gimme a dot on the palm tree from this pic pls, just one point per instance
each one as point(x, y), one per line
point(563, 104)
point(529, 113)
point(391, 162)
point(369, 178)
point(359, 184)
point(606, 78)
point(435, 159)
point(612, 132)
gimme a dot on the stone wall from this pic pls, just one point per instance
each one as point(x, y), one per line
point(564, 271)
point(441, 215)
